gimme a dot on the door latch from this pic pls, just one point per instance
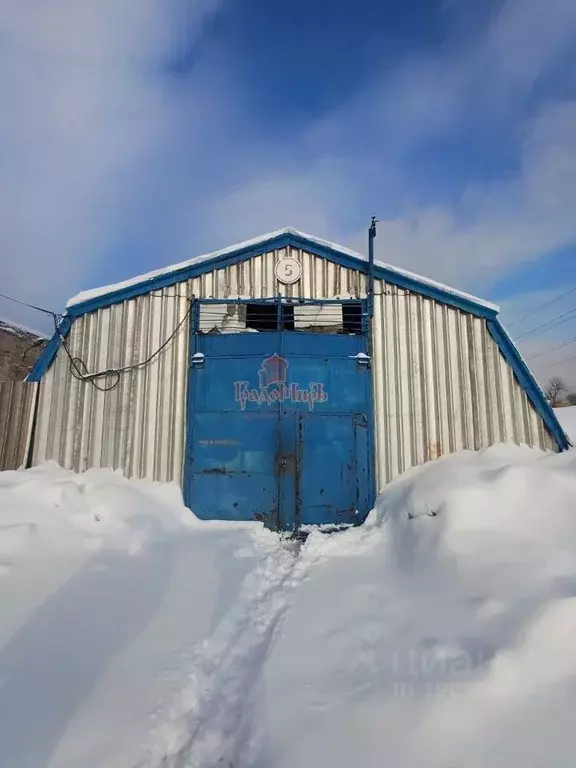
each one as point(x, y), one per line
point(362, 359)
point(198, 359)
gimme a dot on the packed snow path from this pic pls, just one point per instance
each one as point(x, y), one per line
point(212, 722)
point(440, 633)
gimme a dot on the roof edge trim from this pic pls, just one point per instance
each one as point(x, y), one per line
point(330, 251)
point(49, 352)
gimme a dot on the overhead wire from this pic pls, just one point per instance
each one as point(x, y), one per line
point(551, 349)
point(27, 304)
point(559, 362)
point(549, 324)
point(41, 340)
point(542, 306)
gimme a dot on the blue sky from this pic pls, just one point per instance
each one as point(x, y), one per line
point(137, 133)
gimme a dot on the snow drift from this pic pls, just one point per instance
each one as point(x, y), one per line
point(567, 418)
point(438, 634)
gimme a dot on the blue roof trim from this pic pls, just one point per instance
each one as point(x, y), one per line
point(280, 241)
point(49, 352)
point(411, 283)
point(528, 382)
point(436, 293)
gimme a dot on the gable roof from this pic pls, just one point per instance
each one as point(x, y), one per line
point(88, 301)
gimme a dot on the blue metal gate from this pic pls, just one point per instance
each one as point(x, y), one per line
point(279, 428)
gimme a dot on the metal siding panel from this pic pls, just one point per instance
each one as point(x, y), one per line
point(45, 386)
point(139, 426)
point(17, 405)
point(478, 376)
point(381, 403)
point(69, 425)
point(454, 393)
point(467, 394)
point(82, 443)
point(432, 448)
point(109, 401)
point(441, 384)
point(100, 362)
point(132, 427)
point(393, 383)
point(417, 344)
point(125, 387)
point(405, 375)
point(443, 365)
point(151, 374)
point(254, 278)
point(57, 432)
point(501, 411)
point(526, 420)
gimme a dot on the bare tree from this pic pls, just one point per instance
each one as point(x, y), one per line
point(554, 389)
point(571, 398)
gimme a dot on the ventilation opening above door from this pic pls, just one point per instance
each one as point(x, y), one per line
point(266, 317)
point(260, 317)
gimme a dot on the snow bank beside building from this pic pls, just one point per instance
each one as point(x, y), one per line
point(567, 418)
point(108, 589)
point(438, 634)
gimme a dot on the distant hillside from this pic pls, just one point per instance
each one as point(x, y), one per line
point(19, 349)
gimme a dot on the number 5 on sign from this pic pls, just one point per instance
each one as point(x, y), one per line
point(288, 270)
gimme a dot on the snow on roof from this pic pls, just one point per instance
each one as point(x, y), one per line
point(112, 288)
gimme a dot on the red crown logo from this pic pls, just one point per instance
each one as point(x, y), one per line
point(272, 371)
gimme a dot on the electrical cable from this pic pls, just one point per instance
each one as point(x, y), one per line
point(559, 362)
point(551, 349)
point(31, 306)
point(79, 369)
point(549, 324)
point(542, 306)
point(32, 346)
point(40, 340)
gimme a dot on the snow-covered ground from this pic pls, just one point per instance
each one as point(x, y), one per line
point(567, 418)
point(438, 634)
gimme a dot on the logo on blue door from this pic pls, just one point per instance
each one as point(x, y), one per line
point(273, 387)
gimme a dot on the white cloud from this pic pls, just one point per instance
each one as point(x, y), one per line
point(95, 144)
point(82, 105)
point(361, 157)
point(498, 226)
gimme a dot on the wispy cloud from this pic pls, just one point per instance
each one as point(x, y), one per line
point(362, 158)
point(115, 162)
point(83, 107)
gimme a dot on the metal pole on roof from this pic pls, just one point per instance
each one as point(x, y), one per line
point(371, 237)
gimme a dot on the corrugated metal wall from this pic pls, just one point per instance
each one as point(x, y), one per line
point(17, 403)
point(440, 382)
point(139, 426)
point(441, 385)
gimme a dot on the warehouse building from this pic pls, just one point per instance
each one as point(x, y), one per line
point(285, 379)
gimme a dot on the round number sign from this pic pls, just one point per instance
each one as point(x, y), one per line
point(288, 270)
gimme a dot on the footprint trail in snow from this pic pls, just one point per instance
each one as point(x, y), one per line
point(211, 723)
